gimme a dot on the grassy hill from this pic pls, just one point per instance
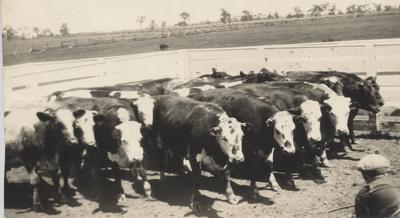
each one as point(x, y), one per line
point(367, 27)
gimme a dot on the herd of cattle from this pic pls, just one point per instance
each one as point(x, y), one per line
point(267, 124)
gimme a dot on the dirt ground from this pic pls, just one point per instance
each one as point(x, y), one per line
point(332, 199)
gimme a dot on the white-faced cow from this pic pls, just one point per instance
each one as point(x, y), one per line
point(268, 128)
point(117, 136)
point(306, 135)
point(364, 94)
point(201, 132)
point(335, 109)
point(40, 139)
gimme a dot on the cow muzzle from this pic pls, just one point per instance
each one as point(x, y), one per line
point(72, 141)
point(288, 148)
point(341, 132)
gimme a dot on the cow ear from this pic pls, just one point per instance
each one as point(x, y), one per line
point(214, 131)
point(261, 98)
point(299, 119)
point(116, 133)
point(325, 107)
point(242, 74)
point(247, 126)
point(270, 122)
point(44, 116)
point(295, 111)
point(117, 95)
point(79, 113)
point(354, 105)
point(98, 118)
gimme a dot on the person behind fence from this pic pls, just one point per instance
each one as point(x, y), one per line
point(380, 197)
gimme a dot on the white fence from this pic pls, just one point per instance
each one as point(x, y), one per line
point(365, 57)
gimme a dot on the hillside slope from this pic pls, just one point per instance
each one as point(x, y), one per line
point(368, 27)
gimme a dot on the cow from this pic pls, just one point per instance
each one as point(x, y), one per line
point(263, 76)
point(201, 132)
point(39, 138)
point(270, 129)
point(117, 137)
point(150, 87)
point(142, 103)
point(215, 74)
point(308, 132)
point(363, 93)
point(95, 93)
point(335, 120)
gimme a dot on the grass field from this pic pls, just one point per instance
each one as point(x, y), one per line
point(367, 27)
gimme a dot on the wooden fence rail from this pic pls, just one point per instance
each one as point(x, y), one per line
point(379, 58)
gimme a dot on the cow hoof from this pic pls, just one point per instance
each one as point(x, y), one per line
point(62, 199)
point(122, 198)
point(292, 188)
point(195, 206)
point(255, 195)
point(233, 199)
point(276, 188)
point(326, 164)
point(38, 208)
point(320, 181)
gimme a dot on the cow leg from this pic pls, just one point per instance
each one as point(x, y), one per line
point(272, 180)
point(196, 177)
point(324, 162)
point(350, 124)
point(232, 198)
point(282, 164)
point(117, 176)
point(146, 184)
point(163, 163)
point(253, 171)
point(140, 174)
point(34, 181)
point(55, 176)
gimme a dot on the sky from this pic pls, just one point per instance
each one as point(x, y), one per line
point(113, 15)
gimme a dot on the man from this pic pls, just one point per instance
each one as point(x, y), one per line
point(379, 197)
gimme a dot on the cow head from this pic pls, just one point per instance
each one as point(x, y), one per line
point(60, 124)
point(311, 115)
point(128, 137)
point(229, 136)
point(84, 123)
point(144, 108)
point(372, 80)
point(365, 94)
point(283, 127)
point(339, 109)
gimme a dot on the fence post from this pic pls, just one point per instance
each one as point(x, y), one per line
point(374, 119)
point(184, 64)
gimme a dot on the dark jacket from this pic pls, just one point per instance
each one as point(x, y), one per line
point(379, 198)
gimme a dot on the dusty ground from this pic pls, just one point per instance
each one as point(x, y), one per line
point(312, 201)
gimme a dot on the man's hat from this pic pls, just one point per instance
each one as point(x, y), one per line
point(374, 162)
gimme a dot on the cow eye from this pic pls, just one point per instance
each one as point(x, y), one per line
point(225, 139)
point(59, 125)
